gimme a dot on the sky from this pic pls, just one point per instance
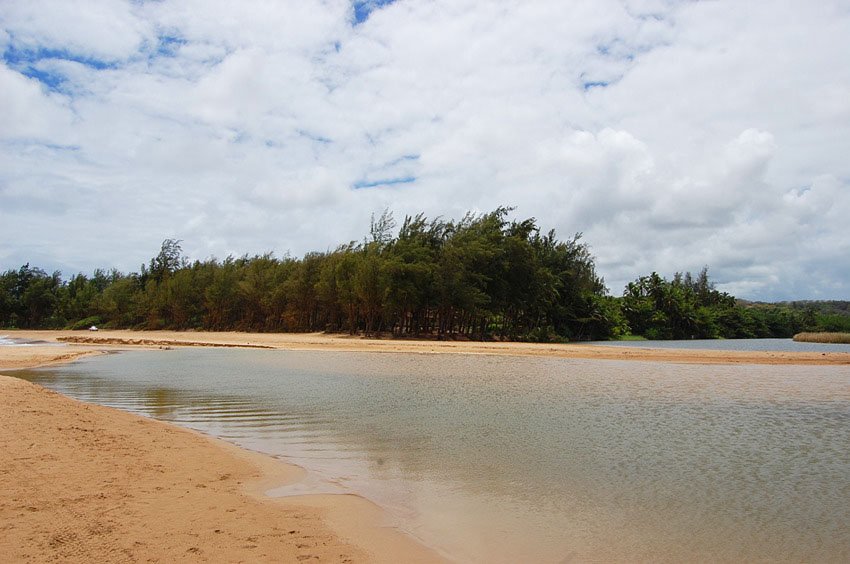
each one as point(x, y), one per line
point(672, 134)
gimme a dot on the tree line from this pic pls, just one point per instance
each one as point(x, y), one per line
point(481, 277)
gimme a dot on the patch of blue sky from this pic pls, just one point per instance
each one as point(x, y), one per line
point(591, 84)
point(168, 45)
point(403, 159)
point(52, 80)
point(27, 62)
point(361, 184)
point(17, 58)
point(363, 8)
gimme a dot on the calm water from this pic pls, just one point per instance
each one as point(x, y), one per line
point(499, 459)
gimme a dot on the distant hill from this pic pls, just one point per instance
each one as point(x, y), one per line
point(823, 307)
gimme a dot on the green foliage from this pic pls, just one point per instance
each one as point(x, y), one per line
point(481, 277)
point(29, 297)
point(86, 323)
point(690, 307)
point(544, 335)
point(631, 337)
point(834, 323)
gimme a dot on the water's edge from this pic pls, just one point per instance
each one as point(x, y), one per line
point(503, 458)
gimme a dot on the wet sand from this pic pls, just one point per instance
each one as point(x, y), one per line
point(85, 483)
point(84, 340)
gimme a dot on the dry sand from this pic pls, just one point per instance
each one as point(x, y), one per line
point(85, 483)
point(13, 358)
point(321, 341)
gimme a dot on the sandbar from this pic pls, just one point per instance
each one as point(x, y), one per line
point(101, 340)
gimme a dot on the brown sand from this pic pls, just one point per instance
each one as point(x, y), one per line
point(85, 483)
point(13, 358)
point(320, 341)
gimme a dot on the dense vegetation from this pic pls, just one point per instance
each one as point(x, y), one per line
point(482, 277)
point(689, 307)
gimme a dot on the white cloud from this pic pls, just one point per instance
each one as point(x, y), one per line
point(674, 134)
point(105, 30)
point(27, 112)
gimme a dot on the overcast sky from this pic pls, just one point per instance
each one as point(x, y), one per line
point(672, 134)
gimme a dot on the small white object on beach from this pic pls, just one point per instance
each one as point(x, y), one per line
point(93, 328)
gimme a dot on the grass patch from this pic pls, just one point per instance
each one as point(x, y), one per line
point(631, 338)
point(841, 338)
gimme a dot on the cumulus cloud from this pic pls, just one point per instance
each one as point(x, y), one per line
point(106, 30)
point(27, 112)
point(673, 134)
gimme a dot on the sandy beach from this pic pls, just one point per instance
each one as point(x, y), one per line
point(90, 342)
point(85, 483)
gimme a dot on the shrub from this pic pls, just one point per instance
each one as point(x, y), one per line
point(86, 323)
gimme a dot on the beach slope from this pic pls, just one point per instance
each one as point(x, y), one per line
point(85, 483)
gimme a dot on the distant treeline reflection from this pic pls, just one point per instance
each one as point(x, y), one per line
point(482, 277)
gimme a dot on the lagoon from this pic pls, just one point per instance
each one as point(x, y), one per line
point(506, 459)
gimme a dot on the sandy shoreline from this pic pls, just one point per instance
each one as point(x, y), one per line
point(82, 340)
point(86, 483)
point(89, 483)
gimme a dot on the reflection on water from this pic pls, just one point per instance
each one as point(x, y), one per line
point(525, 459)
